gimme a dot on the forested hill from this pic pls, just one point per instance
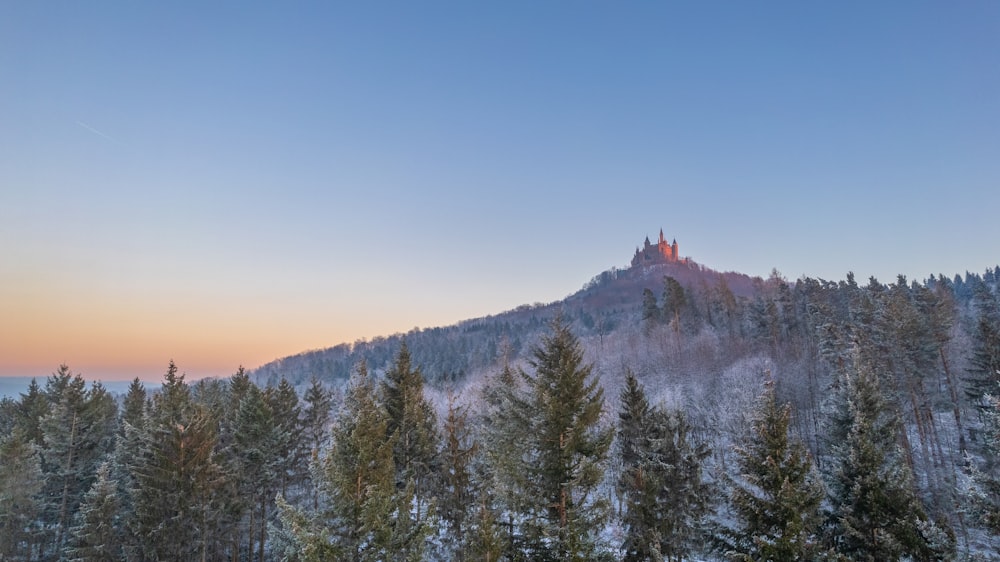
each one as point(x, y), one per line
point(607, 303)
point(660, 413)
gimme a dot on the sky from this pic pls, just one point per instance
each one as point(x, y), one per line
point(224, 183)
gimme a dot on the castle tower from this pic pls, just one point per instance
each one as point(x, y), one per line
point(673, 250)
point(662, 241)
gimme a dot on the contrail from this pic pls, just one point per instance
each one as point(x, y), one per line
point(95, 131)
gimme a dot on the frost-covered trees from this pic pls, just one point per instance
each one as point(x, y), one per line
point(457, 493)
point(984, 361)
point(78, 431)
point(358, 475)
point(412, 424)
point(365, 513)
point(256, 450)
point(777, 494)
point(553, 475)
point(96, 535)
point(176, 477)
point(665, 496)
point(876, 513)
point(520, 471)
point(21, 482)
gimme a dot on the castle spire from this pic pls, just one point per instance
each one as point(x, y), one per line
point(661, 237)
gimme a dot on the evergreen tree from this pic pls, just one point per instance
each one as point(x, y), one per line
point(96, 536)
point(566, 451)
point(358, 476)
point(984, 362)
point(176, 508)
point(316, 417)
point(777, 494)
point(235, 503)
point(639, 511)
point(485, 538)
point(134, 405)
point(675, 302)
point(256, 448)
point(126, 455)
point(661, 482)
point(633, 425)
point(8, 415)
point(877, 515)
point(984, 492)
point(78, 432)
point(458, 495)
point(21, 483)
point(412, 423)
point(31, 408)
point(292, 452)
point(650, 310)
point(239, 385)
point(505, 421)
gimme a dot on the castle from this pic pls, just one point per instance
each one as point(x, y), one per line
point(661, 252)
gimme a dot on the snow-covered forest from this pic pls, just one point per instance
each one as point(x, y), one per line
point(669, 413)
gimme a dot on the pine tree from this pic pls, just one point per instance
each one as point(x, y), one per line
point(358, 476)
point(134, 405)
point(777, 495)
point(21, 483)
point(31, 408)
point(984, 362)
point(412, 423)
point(316, 417)
point(78, 431)
point(633, 422)
point(256, 448)
point(661, 481)
point(8, 415)
point(675, 302)
point(96, 536)
point(650, 310)
point(877, 515)
point(235, 503)
point(292, 452)
point(639, 511)
point(239, 385)
point(485, 538)
point(176, 478)
point(984, 492)
point(566, 451)
point(458, 494)
point(126, 455)
point(505, 421)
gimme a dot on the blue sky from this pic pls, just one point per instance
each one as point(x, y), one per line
point(228, 184)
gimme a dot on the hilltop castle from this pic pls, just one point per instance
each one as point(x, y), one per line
point(661, 252)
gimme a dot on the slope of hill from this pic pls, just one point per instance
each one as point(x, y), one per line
point(448, 354)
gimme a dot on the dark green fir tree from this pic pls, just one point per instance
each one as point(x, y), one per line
point(877, 515)
point(96, 535)
point(777, 493)
point(665, 497)
point(21, 483)
point(566, 451)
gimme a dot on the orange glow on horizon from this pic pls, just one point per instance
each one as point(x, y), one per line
point(122, 336)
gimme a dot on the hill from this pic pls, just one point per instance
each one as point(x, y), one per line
point(449, 354)
point(874, 390)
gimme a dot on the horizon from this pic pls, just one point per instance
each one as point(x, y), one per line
point(226, 187)
point(120, 380)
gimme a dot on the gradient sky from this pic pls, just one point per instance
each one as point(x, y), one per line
point(223, 184)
